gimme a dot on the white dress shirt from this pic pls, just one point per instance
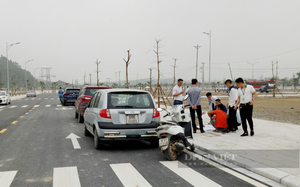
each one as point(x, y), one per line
point(246, 94)
point(211, 102)
point(233, 96)
point(177, 90)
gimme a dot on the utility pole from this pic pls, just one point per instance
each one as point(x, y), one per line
point(97, 63)
point(230, 71)
point(253, 63)
point(84, 78)
point(119, 78)
point(274, 81)
point(150, 80)
point(26, 84)
point(174, 66)
point(90, 79)
point(197, 47)
point(209, 34)
point(203, 74)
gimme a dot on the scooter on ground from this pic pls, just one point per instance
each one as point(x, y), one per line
point(175, 135)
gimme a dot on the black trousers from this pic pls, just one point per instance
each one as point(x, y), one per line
point(246, 111)
point(232, 120)
point(193, 116)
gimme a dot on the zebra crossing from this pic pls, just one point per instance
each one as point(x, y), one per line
point(127, 174)
point(28, 106)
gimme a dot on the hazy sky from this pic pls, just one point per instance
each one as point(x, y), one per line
point(69, 35)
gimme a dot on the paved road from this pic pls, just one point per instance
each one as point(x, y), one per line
point(34, 152)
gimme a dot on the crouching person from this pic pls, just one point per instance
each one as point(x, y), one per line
point(220, 122)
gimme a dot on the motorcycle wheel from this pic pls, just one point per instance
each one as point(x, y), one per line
point(170, 153)
point(192, 147)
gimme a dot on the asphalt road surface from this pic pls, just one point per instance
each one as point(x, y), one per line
point(34, 152)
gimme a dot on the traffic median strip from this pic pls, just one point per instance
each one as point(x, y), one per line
point(3, 130)
point(14, 122)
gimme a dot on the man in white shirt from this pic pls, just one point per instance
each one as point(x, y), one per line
point(177, 93)
point(233, 96)
point(211, 101)
point(246, 96)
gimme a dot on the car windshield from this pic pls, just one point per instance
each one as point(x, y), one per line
point(2, 93)
point(72, 90)
point(91, 91)
point(129, 100)
point(31, 92)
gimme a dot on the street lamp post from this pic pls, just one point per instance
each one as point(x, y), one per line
point(35, 78)
point(26, 72)
point(253, 63)
point(209, 65)
point(7, 69)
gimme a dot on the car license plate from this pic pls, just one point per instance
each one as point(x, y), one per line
point(132, 119)
point(163, 142)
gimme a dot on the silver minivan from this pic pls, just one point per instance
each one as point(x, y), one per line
point(121, 114)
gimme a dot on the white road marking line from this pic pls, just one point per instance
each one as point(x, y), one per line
point(52, 98)
point(66, 177)
point(236, 174)
point(35, 106)
point(32, 99)
point(58, 105)
point(74, 140)
point(24, 106)
point(46, 98)
point(39, 98)
point(128, 175)
point(188, 174)
point(13, 106)
point(47, 105)
point(2, 106)
point(7, 177)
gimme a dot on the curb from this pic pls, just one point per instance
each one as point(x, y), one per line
point(270, 173)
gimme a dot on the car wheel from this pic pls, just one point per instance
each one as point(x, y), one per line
point(80, 118)
point(86, 132)
point(97, 142)
point(76, 114)
point(154, 143)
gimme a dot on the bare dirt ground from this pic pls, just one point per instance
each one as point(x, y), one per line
point(285, 109)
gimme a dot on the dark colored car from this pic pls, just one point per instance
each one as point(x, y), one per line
point(70, 95)
point(85, 95)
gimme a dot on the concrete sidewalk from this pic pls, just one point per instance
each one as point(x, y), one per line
point(272, 152)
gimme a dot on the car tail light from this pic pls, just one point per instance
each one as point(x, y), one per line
point(105, 113)
point(66, 94)
point(85, 99)
point(156, 113)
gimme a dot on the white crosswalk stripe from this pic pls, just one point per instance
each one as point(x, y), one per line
point(66, 177)
point(58, 105)
point(47, 106)
point(13, 106)
point(128, 175)
point(7, 177)
point(188, 174)
point(52, 98)
point(35, 106)
point(24, 106)
point(2, 106)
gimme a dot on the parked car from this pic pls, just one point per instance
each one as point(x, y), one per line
point(31, 93)
point(121, 114)
point(70, 95)
point(85, 95)
point(4, 98)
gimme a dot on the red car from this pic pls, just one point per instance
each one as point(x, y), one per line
point(85, 95)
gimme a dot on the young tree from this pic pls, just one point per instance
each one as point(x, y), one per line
point(127, 62)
